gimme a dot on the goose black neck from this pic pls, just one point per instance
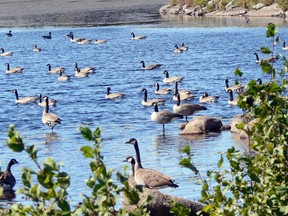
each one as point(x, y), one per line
point(8, 66)
point(284, 44)
point(143, 64)
point(49, 67)
point(257, 57)
point(156, 107)
point(133, 35)
point(145, 95)
point(108, 91)
point(157, 86)
point(40, 98)
point(178, 99)
point(230, 95)
point(133, 166)
point(47, 105)
point(226, 82)
point(8, 169)
point(138, 160)
point(16, 94)
point(166, 74)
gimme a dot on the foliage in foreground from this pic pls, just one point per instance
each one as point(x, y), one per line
point(256, 182)
point(49, 193)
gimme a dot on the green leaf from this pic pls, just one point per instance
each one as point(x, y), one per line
point(88, 152)
point(64, 205)
point(86, 133)
point(265, 50)
point(14, 141)
point(50, 164)
point(220, 162)
point(238, 72)
point(271, 30)
point(186, 149)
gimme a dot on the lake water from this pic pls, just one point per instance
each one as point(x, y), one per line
point(213, 55)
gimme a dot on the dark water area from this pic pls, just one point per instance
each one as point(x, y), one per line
point(214, 53)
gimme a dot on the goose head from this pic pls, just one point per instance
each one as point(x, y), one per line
point(157, 86)
point(108, 90)
point(166, 73)
point(205, 94)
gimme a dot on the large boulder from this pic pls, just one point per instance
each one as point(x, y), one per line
point(247, 127)
point(269, 11)
point(237, 119)
point(160, 203)
point(258, 6)
point(202, 124)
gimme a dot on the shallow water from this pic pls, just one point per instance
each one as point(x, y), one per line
point(213, 55)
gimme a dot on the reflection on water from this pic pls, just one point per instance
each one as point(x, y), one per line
point(51, 137)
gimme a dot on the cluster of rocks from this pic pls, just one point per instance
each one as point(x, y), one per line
point(258, 10)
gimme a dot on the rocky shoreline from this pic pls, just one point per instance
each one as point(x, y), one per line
point(258, 10)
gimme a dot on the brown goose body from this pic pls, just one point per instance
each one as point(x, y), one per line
point(35, 48)
point(112, 96)
point(63, 78)
point(149, 103)
point(13, 70)
point(237, 88)
point(164, 116)
point(139, 37)
point(7, 53)
point(150, 67)
point(79, 74)
point(149, 178)
point(55, 70)
point(208, 99)
point(42, 103)
point(85, 69)
point(187, 109)
point(7, 180)
point(24, 100)
point(161, 91)
point(169, 79)
point(231, 100)
point(49, 118)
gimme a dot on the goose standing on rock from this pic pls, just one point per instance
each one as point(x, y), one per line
point(169, 79)
point(208, 99)
point(24, 100)
point(186, 109)
point(148, 178)
point(49, 118)
point(112, 96)
point(86, 69)
point(146, 102)
point(49, 36)
point(231, 100)
point(7, 180)
point(149, 67)
point(51, 102)
point(63, 78)
point(137, 37)
point(7, 53)
point(13, 70)
point(161, 91)
point(164, 116)
point(55, 70)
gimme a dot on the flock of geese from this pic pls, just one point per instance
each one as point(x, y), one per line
point(182, 108)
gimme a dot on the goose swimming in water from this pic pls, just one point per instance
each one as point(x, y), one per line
point(113, 96)
point(86, 69)
point(177, 49)
point(231, 100)
point(51, 102)
point(7, 180)
point(137, 37)
point(55, 70)
point(9, 34)
point(35, 48)
point(208, 99)
point(183, 47)
point(161, 91)
point(237, 88)
point(24, 100)
point(169, 79)
point(149, 67)
point(145, 177)
point(13, 70)
point(7, 53)
point(49, 36)
point(49, 118)
point(268, 59)
point(63, 78)
point(146, 102)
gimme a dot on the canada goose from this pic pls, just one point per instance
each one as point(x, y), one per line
point(284, 47)
point(72, 39)
point(79, 74)
point(268, 59)
point(49, 118)
point(7, 53)
point(149, 67)
point(24, 100)
point(49, 36)
point(9, 34)
point(7, 180)
point(236, 88)
point(177, 49)
point(51, 102)
point(259, 81)
point(186, 109)
point(183, 92)
point(13, 70)
point(55, 70)
point(86, 69)
point(35, 48)
point(173, 79)
point(161, 91)
point(183, 95)
point(183, 47)
point(164, 116)
point(232, 101)
point(84, 41)
point(131, 178)
point(149, 178)
point(100, 41)
point(63, 78)
point(208, 99)
point(113, 96)
point(137, 37)
point(150, 102)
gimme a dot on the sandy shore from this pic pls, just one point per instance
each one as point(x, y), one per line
point(36, 13)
